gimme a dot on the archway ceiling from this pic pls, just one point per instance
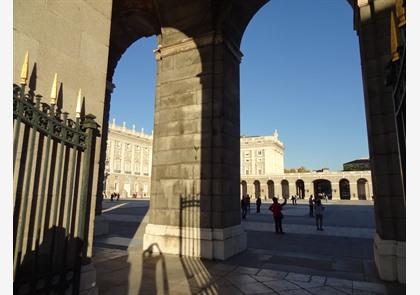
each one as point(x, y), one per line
point(134, 19)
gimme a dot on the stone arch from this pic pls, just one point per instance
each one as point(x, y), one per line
point(257, 188)
point(285, 189)
point(322, 187)
point(270, 186)
point(244, 186)
point(362, 190)
point(344, 186)
point(300, 188)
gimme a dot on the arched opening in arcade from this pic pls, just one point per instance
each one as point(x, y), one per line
point(300, 188)
point(130, 100)
point(362, 189)
point(285, 188)
point(322, 188)
point(270, 186)
point(257, 189)
point(344, 186)
point(244, 188)
point(131, 117)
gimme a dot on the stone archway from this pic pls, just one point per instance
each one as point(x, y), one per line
point(362, 189)
point(257, 189)
point(285, 189)
point(344, 186)
point(190, 43)
point(189, 35)
point(322, 187)
point(300, 188)
point(270, 186)
point(244, 186)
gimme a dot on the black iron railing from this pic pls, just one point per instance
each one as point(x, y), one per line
point(52, 158)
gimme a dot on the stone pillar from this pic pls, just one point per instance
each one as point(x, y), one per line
point(292, 187)
point(353, 190)
point(335, 187)
point(195, 206)
point(277, 189)
point(264, 189)
point(372, 20)
point(309, 186)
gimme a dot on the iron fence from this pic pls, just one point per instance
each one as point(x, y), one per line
point(52, 169)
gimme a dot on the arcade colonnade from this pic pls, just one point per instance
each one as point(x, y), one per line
point(195, 165)
point(351, 185)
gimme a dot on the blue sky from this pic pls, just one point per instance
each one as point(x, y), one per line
point(300, 74)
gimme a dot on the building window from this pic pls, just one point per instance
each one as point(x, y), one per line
point(260, 153)
point(117, 165)
point(247, 172)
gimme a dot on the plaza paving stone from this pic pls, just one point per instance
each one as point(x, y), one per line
point(299, 262)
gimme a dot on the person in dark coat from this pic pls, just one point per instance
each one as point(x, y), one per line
point(244, 207)
point(248, 203)
point(311, 206)
point(319, 214)
point(258, 203)
point(277, 215)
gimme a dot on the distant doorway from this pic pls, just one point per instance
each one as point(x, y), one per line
point(361, 189)
point(344, 189)
point(300, 188)
point(322, 187)
point(270, 185)
point(257, 188)
point(244, 188)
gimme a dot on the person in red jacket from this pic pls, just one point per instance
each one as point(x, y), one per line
point(277, 215)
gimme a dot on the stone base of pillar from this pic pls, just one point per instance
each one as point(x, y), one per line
point(207, 243)
point(88, 280)
point(390, 259)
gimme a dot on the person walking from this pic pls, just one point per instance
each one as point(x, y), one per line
point(277, 215)
point(258, 203)
point(311, 206)
point(248, 203)
point(319, 214)
point(244, 207)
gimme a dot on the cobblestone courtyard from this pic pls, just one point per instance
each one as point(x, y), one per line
point(338, 260)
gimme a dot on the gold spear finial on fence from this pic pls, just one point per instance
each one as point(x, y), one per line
point(400, 9)
point(79, 104)
point(24, 72)
point(394, 39)
point(54, 92)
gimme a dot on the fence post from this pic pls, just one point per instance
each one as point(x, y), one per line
point(90, 126)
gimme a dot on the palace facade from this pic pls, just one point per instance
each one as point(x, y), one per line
point(129, 162)
point(262, 174)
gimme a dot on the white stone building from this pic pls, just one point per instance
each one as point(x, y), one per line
point(262, 155)
point(262, 174)
point(128, 165)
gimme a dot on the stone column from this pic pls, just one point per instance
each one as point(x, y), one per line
point(309, 185)
point(195, 206)
point(353, 190)
point(372, 20)
point(292, 187)
point(335, 187)
point(264, 189)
